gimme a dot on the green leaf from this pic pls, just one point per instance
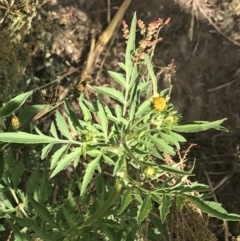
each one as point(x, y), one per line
point(18, 236)
point(27, 114)
point(2, 161)
point(14, 104)
point(157, 223)
point(118, 77)
point(91, 167)
point(66, 160)
point(62, 125)
point(86, 113)
point(162, 145)
point(130, 48)
point(171, 169)
point(42, 212)
point(103, 119)
point(144, 107)
point(144, 208)
point(126, 200)
point(169, 139)
point(26, 138)
point(31, 224)
point(53, 130)
point(165, 206)
point(143, 86)
point(151, 73)
point(178, 137)
point(72, 117)
point(58, 155)
point(134, 80)
point(198, 126)
point(111, 92)
point(108, 160)
point(46, 150)
point(110, 116)
point(16, 173)
point(212, 208)
point(122, 66)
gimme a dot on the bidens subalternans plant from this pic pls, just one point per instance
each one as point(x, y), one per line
point(127, 152)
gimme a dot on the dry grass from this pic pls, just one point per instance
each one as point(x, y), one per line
point(223, 15)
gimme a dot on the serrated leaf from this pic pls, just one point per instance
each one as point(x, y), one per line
point(62, 125)
point(118, 77)
point(58, 155)
point(72, 118)
point(212, 208)
point(198, 126)
point(111, 92)
point(86, 113)
point(169, 139)
point(162, 145)
point(126, 200)
point(110, 116)
point(14, 104)
point(66, 160)
point(165, 206)
point(26, 138)
point(91, 167)
point(53, 130)
point(42, 212)
point(46, 150)
point(144, 208)
point(92, 107)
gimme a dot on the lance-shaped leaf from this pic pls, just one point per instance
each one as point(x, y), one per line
point(66, 160)
point(200, 126)
point(62, 126)
point(118, 77)
point(14, 104)
point(26, 138)
point(91, 167)
point(144, 208)
point(111, 92)
point(162, 145)
point(164, 207)
point(42, 212)
point(212, 208)
point(126, 200)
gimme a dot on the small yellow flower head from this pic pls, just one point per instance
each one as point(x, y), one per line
point(149, 171)
point(159, 103)
point(15, 122)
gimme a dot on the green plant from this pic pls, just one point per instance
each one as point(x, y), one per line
point(130, 182)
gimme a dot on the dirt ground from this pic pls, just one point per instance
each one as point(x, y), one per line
point(205, 86)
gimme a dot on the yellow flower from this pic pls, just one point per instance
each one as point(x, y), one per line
point(149, 171)
point(15, 122)
point(159, 103)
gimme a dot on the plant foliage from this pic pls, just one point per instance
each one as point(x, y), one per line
point(129, 183)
